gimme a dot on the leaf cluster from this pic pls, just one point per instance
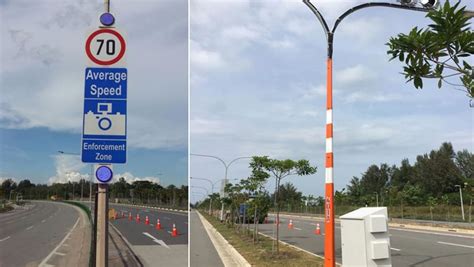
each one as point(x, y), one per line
point(440, 51)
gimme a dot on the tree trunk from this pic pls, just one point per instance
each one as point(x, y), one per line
point(255, 222)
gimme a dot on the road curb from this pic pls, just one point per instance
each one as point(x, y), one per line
point(127, 244)
point(393, 224)
point(150, 207)
point(228, 254)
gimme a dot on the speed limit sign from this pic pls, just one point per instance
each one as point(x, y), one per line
point(105, 46)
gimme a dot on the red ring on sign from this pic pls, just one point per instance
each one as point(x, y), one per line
point(108, 62)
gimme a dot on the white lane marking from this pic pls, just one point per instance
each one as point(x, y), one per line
point(169, 232)
point(453, 244)
point(396, 249)
point(167, 218)
point(29, 228)
point(44, 262)
point(160, 242)
point(3, 239)
point(59, 253)
point(296, 228)
point(43, 221)
point(431, 233)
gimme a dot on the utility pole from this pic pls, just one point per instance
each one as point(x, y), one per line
point(329, 242)
point(462, 204)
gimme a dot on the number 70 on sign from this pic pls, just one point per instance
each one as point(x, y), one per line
point(105, 46)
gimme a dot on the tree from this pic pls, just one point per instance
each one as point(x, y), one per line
point(437, 173)
point(7, 186)
point(280, 169)
point(439, 51)
point(465, 163)
point(354, 191)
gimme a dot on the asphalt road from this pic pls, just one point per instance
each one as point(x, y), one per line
point(409, 247)
point(154, 247)
point(202, 251)
point(28, 235)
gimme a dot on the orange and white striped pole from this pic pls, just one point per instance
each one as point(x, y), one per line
point(329, 257)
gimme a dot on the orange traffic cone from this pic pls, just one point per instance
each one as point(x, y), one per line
point(158, 224)
point(147, 221)
point(130, 216)
point(174, 232)
point(290, 224)
point(318, 230)
point(138, 218)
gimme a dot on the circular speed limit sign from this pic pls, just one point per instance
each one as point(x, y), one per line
point(105, 46)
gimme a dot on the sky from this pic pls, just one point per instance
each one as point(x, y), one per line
point(42, 64)
point(258, 87)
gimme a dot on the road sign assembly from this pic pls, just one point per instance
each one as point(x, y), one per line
point(104, 131)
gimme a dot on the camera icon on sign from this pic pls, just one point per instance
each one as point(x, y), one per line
point(103, 122)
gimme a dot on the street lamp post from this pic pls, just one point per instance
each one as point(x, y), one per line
point(329, 255)
point(226, 165)
point(462, 205)
point(82, 184)
point(212, 189)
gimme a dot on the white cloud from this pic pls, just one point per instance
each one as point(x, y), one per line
point(68, 169)
point(205, 59)
point(130, 178)
point(354, 75)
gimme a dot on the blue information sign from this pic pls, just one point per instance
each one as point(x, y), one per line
point(104, 131)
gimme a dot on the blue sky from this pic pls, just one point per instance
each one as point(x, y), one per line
point(42, 82)
point(258, 83)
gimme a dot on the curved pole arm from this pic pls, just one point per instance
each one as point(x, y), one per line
point(234, 160)
point(376, 4)
point(319, 16)
point(209, 156)
point(205, 179)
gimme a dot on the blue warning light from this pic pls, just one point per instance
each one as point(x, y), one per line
point(107, 19)
point(104, 174)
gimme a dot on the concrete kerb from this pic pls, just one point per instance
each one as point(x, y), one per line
point(228, 254)
point(136, 258)
point(149, 207)
point(396, 225)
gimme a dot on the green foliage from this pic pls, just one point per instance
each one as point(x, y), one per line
point(288, 194)
point(440, 51)
point(433, 177)
point(465, 163)
point(144, 192)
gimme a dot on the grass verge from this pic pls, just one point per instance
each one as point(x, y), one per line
point(260, 253)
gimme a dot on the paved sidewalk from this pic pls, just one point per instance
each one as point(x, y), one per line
point(202, 252)
point(228, 254)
